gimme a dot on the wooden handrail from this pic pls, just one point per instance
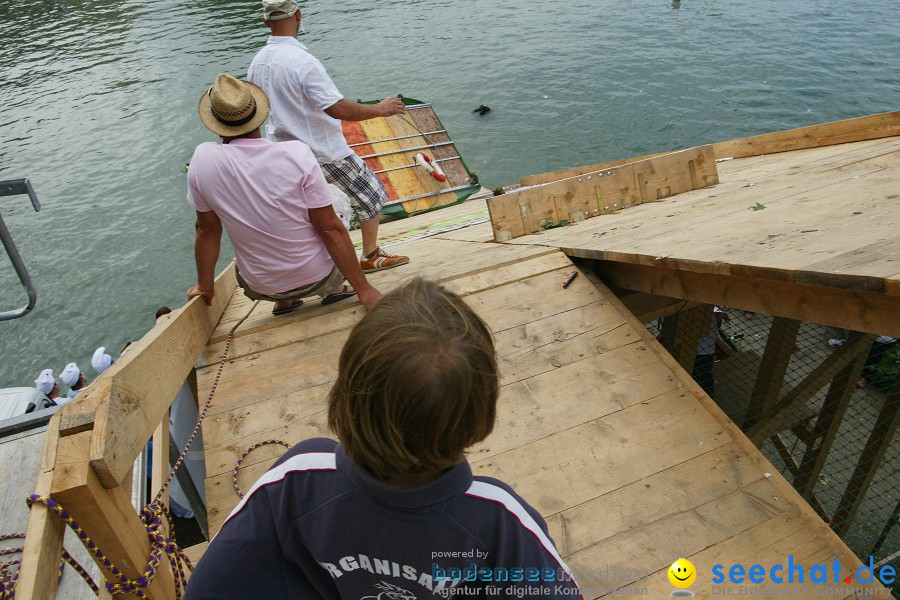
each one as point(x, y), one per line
point(92, 443)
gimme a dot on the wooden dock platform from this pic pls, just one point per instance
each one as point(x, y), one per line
point(601, 429)
point(632, 465)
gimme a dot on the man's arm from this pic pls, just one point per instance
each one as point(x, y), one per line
point(340, 248)
point(346, 110)
point(206, 252)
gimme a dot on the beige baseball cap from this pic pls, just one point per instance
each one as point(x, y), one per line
point(286, 7)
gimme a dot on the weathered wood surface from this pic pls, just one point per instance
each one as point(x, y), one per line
point(826, 224)
point(840, 132)
point(531, 210)
point(598, 427)
point(20, 456)
point(813, 136)
point(92, 442)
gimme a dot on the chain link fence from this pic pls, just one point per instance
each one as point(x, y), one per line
point(821, 403)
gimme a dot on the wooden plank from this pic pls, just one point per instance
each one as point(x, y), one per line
point(860, 311)
point(838, 132)
point(772, 369)
point(145, 382)
point(506, 217)
point(712, 474)
point(650, 307)
point(675, 173)
point(106, 515)
point(691, 326)
point(827, 538)
point(555, 472)
point(801, 393)
point(432, 258)
point(609, 190)
point(160, 459)
point(550, 176)
point(42, 548)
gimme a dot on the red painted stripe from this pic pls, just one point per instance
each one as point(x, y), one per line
point(354, 134)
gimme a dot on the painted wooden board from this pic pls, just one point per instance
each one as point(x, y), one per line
point(378, 142)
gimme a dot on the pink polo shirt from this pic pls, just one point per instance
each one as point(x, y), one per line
point(262, 193)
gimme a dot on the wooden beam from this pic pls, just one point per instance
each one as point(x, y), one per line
point(848, 309)
point(160, 459)
point(42, 549)
point(774, 422)
point(772, 369)
point(551, 176)
point(690, 327)
point(650, 307)
point(785, 453)
point(869, 461)
point(829, 421)
point(530, 210)
point(144, 384)
point(838, 132)
point(107, 516)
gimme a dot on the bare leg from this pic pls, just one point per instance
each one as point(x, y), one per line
point(369, 231)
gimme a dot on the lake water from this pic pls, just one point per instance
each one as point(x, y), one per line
point(99, 111)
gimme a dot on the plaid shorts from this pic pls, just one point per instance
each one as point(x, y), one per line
point(356, 179)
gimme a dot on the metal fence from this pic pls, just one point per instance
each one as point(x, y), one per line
point(822, 404)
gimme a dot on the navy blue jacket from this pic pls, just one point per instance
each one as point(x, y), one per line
point(317, 526)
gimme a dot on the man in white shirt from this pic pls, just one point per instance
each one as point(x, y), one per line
point(307, 106)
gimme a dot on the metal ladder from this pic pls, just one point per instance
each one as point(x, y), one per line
point(15, 187)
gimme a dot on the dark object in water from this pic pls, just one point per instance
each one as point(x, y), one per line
point(483, 109)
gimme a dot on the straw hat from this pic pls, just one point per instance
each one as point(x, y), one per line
point(231, 107)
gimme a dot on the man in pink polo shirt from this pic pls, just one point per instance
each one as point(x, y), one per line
point(274, 202)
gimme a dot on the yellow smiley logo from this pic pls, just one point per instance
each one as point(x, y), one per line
point(682, 573)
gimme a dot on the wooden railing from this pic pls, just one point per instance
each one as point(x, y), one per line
point(857, 129)
point(92, 443)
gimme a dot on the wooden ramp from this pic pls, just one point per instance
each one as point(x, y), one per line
point(819, 229)
point(627, 459)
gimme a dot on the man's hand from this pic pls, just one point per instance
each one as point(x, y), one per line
point(391, 106)
point(368, 295)
point(196, 290)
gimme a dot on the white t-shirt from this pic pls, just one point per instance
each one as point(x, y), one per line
point(299, 91)
point(262, 193)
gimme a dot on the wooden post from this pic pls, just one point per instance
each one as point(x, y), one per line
point(772, 369)
point(160, 459)
point(691, 326)
point(803, 391)
point(836, 402)
point(107, 516)
point(869, 461)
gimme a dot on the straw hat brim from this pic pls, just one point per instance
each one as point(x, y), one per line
point(219, 128)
